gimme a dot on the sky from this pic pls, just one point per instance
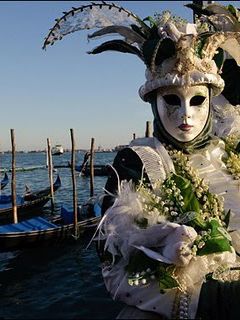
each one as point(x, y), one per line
point(45, 93)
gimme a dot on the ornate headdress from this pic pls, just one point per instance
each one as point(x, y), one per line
point(174, 51)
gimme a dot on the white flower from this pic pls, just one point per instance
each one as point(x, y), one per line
point(136, 282)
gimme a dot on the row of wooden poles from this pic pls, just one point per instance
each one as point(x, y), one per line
point(50, 171)
point(73, 161)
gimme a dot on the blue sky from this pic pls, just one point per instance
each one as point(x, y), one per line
point(45, 93)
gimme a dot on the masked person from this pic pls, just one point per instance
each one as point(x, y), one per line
point(170, 230)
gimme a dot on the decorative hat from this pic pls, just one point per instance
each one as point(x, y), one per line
point(175, 52)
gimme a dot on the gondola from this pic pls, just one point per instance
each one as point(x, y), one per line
point(30, 196)
point(4, 181)
point(39, 231)
point(98, 169)
point(28, 204)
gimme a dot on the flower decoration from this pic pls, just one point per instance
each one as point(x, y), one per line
point(185, 199)
point(232, 160)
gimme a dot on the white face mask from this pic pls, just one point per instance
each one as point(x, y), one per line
point(183, 111)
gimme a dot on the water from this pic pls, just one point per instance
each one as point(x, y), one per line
point(60, 282)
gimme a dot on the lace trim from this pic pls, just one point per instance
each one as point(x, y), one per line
point(152, 162)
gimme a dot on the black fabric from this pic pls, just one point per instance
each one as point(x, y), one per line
point(129, 167)
point(219, 300)
point(231, 75)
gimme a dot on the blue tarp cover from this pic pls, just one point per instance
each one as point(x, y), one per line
point(6, 201)
point(67, 214)
point(32, 224)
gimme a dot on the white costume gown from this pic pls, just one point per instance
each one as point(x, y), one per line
point(210, 166)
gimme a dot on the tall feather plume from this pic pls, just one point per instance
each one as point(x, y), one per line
point(94, 15)
point(130, 35)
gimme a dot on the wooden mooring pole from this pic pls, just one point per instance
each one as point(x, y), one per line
point(50, 172)
point(92, 168)
point(2, 168)
point(47, 160)
point(75, 209)
point(13, 183)
point(148, 132)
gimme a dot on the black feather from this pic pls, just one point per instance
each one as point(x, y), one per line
point(116, 45)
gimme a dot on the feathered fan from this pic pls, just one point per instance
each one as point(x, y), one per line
point(112, 19)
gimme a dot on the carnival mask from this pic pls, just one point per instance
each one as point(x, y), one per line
point(183, 111)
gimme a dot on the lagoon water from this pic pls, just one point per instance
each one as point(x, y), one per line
point(59, 282)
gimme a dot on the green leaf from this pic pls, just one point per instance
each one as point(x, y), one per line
point(201, 41)
point(166, 281)
point(191, 202)
point(219, 240)
point(151, 21)
point(139, 261)
point(233, 11)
